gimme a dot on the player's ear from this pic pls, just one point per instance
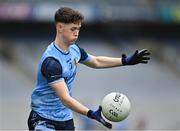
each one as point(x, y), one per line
point(59, 27)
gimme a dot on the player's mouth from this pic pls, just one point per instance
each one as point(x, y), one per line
point(75, 39)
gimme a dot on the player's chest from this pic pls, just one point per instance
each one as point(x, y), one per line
point(69, 66)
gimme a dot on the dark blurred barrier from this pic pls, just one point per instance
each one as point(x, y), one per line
point(109, 30)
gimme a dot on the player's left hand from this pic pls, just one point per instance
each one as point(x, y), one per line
point(141, 56)
point(97, 116)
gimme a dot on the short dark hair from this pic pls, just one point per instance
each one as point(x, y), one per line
point(68, 15)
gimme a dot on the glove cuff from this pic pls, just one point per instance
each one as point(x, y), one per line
point(123, 60)
point(89, 114)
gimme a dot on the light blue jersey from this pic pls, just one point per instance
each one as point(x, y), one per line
point(54, 66)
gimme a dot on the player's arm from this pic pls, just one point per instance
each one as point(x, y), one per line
point(52, 71)
point(137, 57)
point(62, 91)
point(103, 62)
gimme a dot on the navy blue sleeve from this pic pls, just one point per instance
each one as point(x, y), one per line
point(84, 54)
point(51, 69)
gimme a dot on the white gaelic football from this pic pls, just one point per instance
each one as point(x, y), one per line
point(115, 106)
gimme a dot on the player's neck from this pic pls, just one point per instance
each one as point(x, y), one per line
point(62, 45)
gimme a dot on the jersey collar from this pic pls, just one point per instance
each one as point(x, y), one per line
point(59, 49)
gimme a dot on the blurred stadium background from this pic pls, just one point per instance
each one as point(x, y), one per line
point(110, 28)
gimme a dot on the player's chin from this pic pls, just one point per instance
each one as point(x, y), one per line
point(73, 40)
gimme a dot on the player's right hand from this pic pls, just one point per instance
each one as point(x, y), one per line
point(97, 116)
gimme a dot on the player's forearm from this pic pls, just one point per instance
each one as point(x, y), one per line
point(107, 62)
point(75, 105)
point(62, 92)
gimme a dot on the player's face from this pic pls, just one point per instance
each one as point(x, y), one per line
point(70, 32)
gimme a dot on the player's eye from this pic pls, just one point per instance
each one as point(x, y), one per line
point(74, 29)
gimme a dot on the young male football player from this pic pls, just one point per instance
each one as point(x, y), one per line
point(51, 101)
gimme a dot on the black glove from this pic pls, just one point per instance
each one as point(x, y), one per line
point(141, 56)
point(97, 116)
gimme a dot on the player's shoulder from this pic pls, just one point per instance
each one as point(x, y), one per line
point(51, 49)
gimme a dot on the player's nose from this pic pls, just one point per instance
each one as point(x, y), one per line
point(76, 33)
